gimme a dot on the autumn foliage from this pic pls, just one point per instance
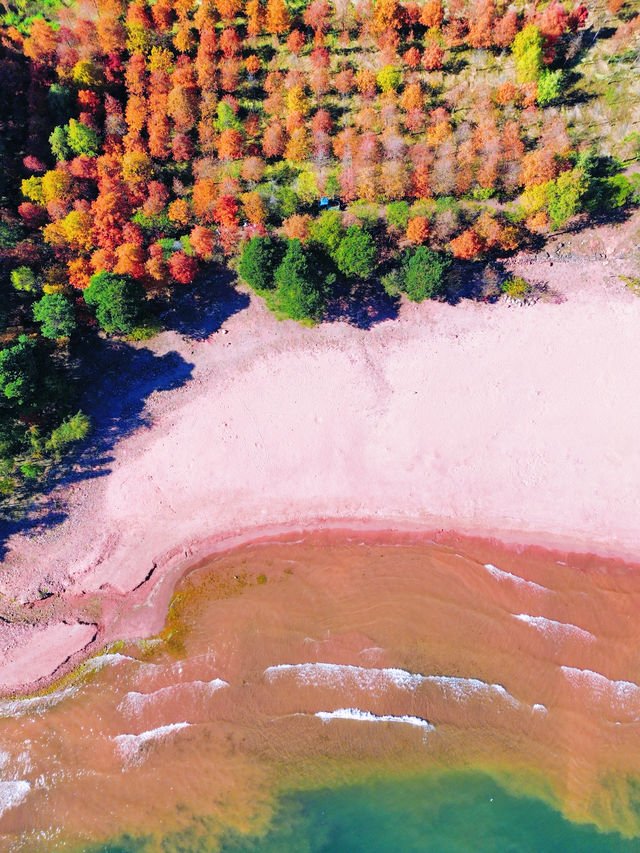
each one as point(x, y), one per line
point(209, 122)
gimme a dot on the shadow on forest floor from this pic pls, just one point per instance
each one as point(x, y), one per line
point(115, 380)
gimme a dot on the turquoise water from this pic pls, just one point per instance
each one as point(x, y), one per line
point(452, 812)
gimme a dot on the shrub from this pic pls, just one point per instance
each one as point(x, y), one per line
point(72, 429)
point(30, 470)
point(515, 288)
point(392, 282)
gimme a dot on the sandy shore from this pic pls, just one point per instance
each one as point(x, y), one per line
point(519, 422)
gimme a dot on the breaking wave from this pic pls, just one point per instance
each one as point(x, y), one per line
point(551, 626)
point(342, 675)
point(368, 717)
point(12, 794)
point(129, 745)
point(500, 574)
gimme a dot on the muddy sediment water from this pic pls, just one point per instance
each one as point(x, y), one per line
point(346, 693)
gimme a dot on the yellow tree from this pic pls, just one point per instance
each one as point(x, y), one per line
point(278, 19)
point(298, 145)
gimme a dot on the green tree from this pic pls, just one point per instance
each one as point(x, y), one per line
point(56, 314)
point(59, 144)
point(226, 117)
point(72, 429)
point(259, 260)
point(565, 195)
point(117, 300)
point(61, 100)
point(326, 231)
point(23, 279)
point(424, 273)
point(527, 50)
point(398, 214)
point(288, 202)
point(299, 293)
point(18, 373)
point(388, 78)
point(82, 140)
point(549, 86)
point(356, 254)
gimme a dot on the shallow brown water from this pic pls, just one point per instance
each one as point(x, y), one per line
point(525, 665)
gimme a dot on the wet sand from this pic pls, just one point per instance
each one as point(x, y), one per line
point(516, 422)
point(293, 665)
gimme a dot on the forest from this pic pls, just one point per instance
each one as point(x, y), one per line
point(308, 147)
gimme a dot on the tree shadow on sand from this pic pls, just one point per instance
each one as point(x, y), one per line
point(203, 307)
point(363, 306)
point(116, 380)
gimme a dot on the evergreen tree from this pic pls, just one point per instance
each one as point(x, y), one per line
point(424, 273)
point(18, 373)
point(117, 300)
point(56, 314)
point(356, 254)
point(259, 261)
point(299, 293)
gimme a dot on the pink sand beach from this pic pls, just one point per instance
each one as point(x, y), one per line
point(518, 422)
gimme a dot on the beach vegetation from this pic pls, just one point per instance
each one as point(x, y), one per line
point(516, 288)
point(73, 429)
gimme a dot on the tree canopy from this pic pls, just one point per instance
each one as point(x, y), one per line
point(117, 300)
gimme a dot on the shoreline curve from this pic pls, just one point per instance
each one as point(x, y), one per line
point(491, 420)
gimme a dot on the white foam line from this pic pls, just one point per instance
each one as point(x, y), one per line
point(130, 744)
point(134, 700)
point(12, 794)
point(599, 684)
point(465, 688)
point(112, 658)
point(375, 680)
point(500, 574)
point(551, 626)
point(368, 717)
point(336, 675)
point(35, 704)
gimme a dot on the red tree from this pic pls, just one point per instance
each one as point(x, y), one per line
point(182, 268)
